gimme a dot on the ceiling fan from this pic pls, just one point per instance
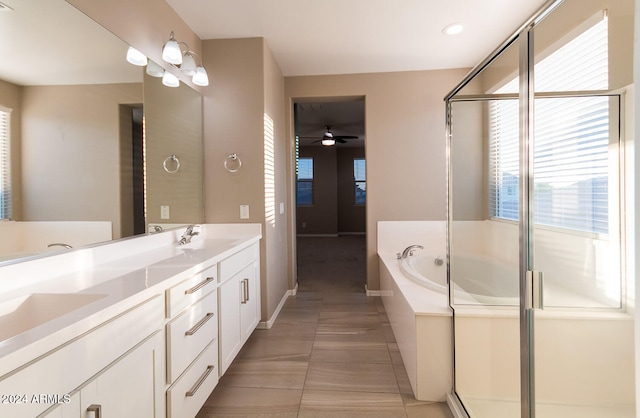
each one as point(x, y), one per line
point(330, 139)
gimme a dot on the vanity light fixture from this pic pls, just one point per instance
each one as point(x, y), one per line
point(136, 57)
point(171, 52)
point(186, 61)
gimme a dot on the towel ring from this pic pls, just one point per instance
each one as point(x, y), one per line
point(173, 159)
point(232, 158)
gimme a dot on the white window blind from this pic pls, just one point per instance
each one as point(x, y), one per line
point(571, 140)
point(5, 166)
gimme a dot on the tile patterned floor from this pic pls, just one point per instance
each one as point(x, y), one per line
point(330, 353)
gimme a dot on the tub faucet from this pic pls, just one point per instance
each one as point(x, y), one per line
point(188, 234)
point(409, 250)
point(59, 244)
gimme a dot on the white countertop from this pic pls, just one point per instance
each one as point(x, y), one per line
point(123, 273)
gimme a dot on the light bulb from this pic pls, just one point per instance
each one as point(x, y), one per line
point(188, 64)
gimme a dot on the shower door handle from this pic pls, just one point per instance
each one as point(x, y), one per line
point(535, 291)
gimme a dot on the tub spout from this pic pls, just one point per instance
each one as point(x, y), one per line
point(59, 244)
point(409, 250)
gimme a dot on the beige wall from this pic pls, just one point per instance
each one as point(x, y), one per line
point(405, 144)
point(333, 210)
point(244, 114)
point(71, 152)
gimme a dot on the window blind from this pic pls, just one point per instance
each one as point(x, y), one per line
point(571, 140)
point(5, 166)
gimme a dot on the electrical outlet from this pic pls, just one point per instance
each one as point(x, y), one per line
point(244, 211)
point(164, 212)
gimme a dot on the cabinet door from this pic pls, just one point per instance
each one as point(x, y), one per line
point(127, 388)
point(250, 302)
point(230, 295)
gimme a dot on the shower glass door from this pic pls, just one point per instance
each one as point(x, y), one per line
point(483, 248)
point(583, 350)
point(537, 171)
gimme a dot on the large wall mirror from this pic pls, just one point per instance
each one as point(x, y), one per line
point(90, 139)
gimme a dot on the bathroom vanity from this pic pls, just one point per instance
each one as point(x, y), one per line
point(141, 327)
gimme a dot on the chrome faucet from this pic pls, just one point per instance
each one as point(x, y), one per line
point(59, 244)
point(188, 234)
point(409, 251)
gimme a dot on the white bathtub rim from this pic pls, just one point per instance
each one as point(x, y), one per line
point(423, 301)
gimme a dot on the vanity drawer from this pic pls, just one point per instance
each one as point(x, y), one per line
point(235, 263)
point(185, 293)
point(189, 334)
point(187, 395)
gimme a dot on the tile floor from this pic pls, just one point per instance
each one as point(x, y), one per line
point(330, 353)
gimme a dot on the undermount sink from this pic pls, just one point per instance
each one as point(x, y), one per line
point(27, 312)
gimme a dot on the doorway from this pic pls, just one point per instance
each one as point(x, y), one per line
point(330, 194)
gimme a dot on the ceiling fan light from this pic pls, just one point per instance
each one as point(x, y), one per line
point(171, 52)
point(328, 141)
point(136, 57)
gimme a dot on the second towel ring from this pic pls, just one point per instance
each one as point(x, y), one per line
point(175, 161)
point(232, 163)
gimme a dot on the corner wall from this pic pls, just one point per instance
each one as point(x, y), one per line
point(405, 148)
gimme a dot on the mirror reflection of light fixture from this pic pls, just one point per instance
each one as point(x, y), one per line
point(171, 52)
point(154, 70)
point(136, 57)
point(170, 80)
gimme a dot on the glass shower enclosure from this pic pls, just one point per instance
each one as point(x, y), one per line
point(538, 172)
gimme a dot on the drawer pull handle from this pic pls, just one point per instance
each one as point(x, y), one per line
point(200, 323)
point(200, 381)
point(96, 409)
point(199, 286)
point(245, 291)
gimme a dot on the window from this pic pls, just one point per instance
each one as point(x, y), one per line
point(304, 176)
point(571, 154)
point(360, 180)
point(5, 168)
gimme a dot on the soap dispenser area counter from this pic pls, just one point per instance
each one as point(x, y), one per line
point(132, 327)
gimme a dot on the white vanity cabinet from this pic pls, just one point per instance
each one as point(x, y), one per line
point(192, 343)
point(113, 369)
point(239, 302)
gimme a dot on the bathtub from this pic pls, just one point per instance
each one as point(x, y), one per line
point(475, 279)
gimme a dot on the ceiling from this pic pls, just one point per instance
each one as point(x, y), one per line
point(320, 37)
point(313, 37)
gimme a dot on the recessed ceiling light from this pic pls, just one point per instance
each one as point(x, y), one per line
point(453, 29)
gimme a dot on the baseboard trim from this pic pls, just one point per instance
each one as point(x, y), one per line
point(372, 292)
point(269, 323)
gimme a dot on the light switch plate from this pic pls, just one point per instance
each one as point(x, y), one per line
point(244, 211)
point(281, 208)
